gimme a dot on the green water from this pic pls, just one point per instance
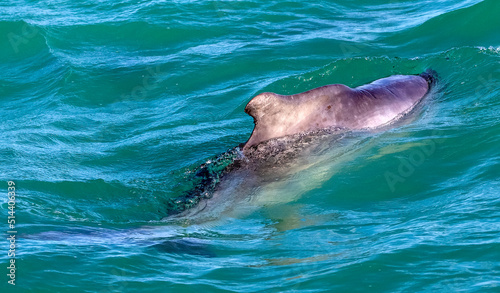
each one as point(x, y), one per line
point(106, 106)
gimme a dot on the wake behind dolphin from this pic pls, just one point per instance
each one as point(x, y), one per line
point(287, 128)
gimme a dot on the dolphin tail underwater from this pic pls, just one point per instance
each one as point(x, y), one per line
point(325, 110)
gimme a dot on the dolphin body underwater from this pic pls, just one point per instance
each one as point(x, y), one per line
point(292, 134)
point(290, 128)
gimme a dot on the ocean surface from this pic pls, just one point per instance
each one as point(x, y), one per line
point(107, 107)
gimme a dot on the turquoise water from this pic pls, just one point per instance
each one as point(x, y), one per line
point(108, 105)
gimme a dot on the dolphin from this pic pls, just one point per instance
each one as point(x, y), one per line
point(288, 130)
point(335, 106)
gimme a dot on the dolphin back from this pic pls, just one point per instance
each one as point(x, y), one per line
point(334, 106)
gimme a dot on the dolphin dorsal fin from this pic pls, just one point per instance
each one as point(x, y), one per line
point(269, 115)
point(279, 115)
